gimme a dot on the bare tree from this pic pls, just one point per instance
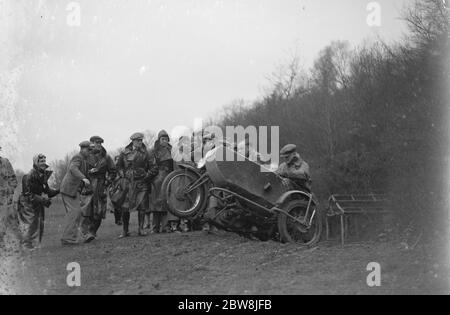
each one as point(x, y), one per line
point(428, 20)
point(329, 75)
point(60, 168)
point(287, 77)
point(332, 68)
point(149, 138)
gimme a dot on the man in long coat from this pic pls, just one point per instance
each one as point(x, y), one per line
point(138, 168)
point(162, 154)
point(102, 171)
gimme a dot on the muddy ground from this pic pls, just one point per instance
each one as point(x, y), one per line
point(221, 263)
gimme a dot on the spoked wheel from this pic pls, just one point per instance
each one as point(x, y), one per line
point(306, 233)
point(184, 193)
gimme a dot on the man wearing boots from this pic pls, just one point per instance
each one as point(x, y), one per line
point(162, 154)
point(138, 168)
point(102, 171)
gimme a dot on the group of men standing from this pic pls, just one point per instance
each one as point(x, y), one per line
point(135, 181)
point(132, 181)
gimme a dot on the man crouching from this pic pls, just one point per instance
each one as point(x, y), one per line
point(294, 170)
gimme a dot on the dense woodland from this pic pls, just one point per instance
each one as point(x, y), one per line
point(372, 118)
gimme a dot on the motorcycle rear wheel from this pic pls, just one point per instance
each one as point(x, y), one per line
point(180, 203)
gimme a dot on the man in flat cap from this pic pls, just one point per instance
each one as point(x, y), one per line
point(72, 184)
point(8, 184)
point(137, 166)
point(36, 196)
point(102, 171)
point(294, 168)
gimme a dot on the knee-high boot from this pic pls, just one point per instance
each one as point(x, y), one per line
point(148, 225)
point(156, 222)
point(126, 223)
point(141, 221)
point(96, 225)
point(118, 216)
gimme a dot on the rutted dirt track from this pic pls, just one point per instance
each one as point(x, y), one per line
point(222, 263)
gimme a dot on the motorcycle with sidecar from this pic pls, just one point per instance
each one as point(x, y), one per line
point(249, 198)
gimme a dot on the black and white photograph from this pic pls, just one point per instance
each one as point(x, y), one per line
point(224, 153)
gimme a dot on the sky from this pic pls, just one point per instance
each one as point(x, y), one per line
point(140, 65)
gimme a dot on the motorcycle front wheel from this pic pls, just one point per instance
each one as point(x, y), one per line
point(292, 231)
